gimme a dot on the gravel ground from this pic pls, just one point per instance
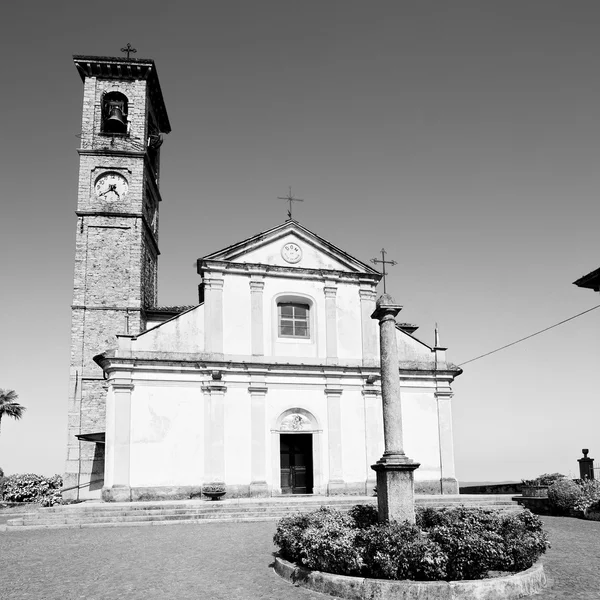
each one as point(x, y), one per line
point(217, 561)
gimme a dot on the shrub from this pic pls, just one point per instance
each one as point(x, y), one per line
point(590, 495)
point(33, 488)
point(401, 551)
point(564, 495)
point(546, 479)
point(364, 515)
point(451, 544)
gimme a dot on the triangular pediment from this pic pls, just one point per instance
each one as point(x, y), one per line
point(291, 245)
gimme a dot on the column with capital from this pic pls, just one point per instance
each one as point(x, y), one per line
point(258, 434)
point(257, 285)
point(395, 483)
point(213, 313)
point(330, 291)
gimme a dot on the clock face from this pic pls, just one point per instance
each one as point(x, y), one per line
point(111, 186)
point(291, 253)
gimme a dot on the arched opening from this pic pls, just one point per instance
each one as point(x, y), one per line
point(114, 113)
point(297, 453)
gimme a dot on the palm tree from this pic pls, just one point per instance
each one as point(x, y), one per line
point(9, 405)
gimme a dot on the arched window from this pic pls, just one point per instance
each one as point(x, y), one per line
point(114, 113)
point(293, 320)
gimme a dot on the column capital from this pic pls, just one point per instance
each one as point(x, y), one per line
point(257, 390)
point(386, 308)
point(329, 290)
point(365, 294)
point(213, 283)
point(257, 285)
point(122, 386)
point(214, 387)
point(333, 391)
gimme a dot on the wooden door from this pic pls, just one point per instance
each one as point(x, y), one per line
point(296, 463)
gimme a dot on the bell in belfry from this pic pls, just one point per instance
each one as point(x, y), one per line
point(115, 122)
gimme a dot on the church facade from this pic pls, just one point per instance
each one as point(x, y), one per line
point(270, 384)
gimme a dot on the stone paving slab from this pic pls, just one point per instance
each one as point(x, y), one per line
point(221, 561)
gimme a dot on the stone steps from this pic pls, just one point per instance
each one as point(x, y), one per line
point(96, 514)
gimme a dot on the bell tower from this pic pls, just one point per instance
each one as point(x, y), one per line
point(116, 252)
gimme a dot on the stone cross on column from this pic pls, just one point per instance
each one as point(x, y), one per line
point(395, 485)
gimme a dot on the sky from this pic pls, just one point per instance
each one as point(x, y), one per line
point(464, 137)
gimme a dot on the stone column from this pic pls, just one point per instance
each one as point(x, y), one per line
point(214, 429)
point(257, 286)
point(258, 450)
point(336, 483)
point(448, 481)
point(213, 314)
point(118, 441)
point(331, 322)
point(369, 333)
point(395, 484)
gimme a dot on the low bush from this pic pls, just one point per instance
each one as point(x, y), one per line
point(545, 479)
point(590, 495)
point(32, 488)
point(444, 544)
point(564, 495)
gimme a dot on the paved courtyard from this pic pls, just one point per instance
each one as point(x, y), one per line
point(217, 561)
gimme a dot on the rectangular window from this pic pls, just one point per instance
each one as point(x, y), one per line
point(293, 320)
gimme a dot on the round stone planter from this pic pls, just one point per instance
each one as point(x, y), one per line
point(214, 491)
point(359, 588)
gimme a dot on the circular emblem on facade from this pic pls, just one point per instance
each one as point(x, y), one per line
point(291, 253)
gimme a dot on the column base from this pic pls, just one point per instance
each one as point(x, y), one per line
point(116, 493)
point(259, 489)
point(395, 488)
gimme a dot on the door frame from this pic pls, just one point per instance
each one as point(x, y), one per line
point(309, 470)
point(309, 425)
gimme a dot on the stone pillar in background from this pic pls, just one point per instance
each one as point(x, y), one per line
point(586, 466)
point(395, 483)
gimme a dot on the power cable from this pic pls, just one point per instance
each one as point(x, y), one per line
point(530, 336)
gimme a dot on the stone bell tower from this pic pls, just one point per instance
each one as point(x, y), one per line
point(116, 252)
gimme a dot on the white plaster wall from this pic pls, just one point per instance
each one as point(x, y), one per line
point(349, 326)
point(166, 435)
point(312, 258)
point(184, 333)
point(238, 444)
point(354, 457)
point(420, 428)
point(411, 349)
point(236, 314)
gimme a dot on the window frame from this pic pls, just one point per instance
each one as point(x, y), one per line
point(295, 321)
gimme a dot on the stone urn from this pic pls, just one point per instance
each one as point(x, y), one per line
point(214, 490)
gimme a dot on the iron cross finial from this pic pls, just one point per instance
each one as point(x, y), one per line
point(129, 49)
point(384, 262)
point(290, 198)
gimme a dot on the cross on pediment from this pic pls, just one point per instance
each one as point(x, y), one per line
point(290, 198)
point(384, 262)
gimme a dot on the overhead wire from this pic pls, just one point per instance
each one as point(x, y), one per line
point(530, 336)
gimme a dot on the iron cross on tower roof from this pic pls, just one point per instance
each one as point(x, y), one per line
point(290, 198)
point(384, 262)
point(129, 48)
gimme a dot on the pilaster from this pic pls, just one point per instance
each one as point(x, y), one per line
point(213, 313)
point(448, 481)
point(258, 432)
point(330, 291)
point(336, 484)
point(214, 429)
point(118, 440)
point(369, 333)
point(257, 286)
